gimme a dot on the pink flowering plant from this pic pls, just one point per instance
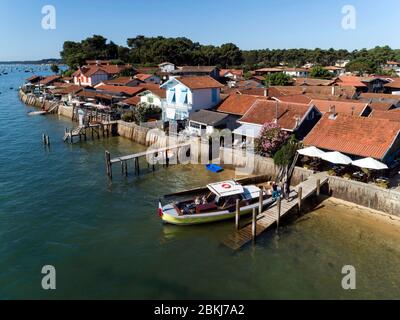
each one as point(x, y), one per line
point(271, 139)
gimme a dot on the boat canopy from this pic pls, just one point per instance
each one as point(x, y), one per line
point(226, 188)
point(251, 192)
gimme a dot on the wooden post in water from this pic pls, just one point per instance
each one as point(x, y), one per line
point(126, 168)
point(260, 202)
point(254, 224)
point(237, 215)
point(279, 209)
point(47, 140)
point(300, 199)
point(44, 138)
point(108, 164)
point(70, 136)
point(318, 187)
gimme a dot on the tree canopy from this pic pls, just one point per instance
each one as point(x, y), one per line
point(278, 79)
point(319, 72)
point(142, 50)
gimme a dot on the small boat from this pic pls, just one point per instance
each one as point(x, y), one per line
point(37, 113)
point(214, 168)
point(218, 203)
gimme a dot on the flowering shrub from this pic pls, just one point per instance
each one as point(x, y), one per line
point(271, 138)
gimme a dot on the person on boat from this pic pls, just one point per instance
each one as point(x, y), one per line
point(197, 201)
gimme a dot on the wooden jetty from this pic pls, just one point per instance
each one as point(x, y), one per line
point(95, 129)
point(272, 215)
point(164, 152)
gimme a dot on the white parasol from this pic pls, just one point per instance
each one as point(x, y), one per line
point(337, 158)
point(370, 163)
point(312, 152)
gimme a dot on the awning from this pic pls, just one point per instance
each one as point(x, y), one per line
point(248, 130)
point(337, 158)
point(312, 152)
point(370, 163)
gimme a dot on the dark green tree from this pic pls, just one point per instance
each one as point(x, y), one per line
point(320, 73)
point(278, 79)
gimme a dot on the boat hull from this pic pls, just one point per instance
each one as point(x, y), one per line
point(170, 216)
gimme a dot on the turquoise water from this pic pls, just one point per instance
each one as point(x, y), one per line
point(106, 241)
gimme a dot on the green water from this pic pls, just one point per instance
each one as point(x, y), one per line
point(106, 240)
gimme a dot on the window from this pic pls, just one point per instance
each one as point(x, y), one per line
point(150, 100)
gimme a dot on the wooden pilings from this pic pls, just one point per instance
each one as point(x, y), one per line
point(318, 192)
point(254, 224)
point(237, 215)
point(300, 199)
point(108, 164)
point(46, 139)
point(279, 211)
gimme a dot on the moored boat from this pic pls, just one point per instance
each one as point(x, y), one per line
point(218, 204)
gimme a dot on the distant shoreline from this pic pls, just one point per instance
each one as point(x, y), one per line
point(43, 61)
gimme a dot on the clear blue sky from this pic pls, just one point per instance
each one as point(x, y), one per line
point(251, 24)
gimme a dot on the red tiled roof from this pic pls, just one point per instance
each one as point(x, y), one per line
point(264, 111)
point(159, 92)
point(381, 106)
point(203, 82)
point(352, 107)
point(312, 82)
point(118, 81)
point(393, 85)
point(235, 72)
point(49, 80)
point(296, 98)
point(351, 81)
point(393, 116)
point(133, 101)
point(380, 96)
point(111, 69)
point(73, 89)
point(359, 136)
point(143, 76)
point(132, 91)
point(238, 104)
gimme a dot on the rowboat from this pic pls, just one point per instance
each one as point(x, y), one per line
point(37, 113)
point(218, 203)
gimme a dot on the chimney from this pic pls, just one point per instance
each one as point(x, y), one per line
point(297, 119)
point(266, 92)
point(353, 108)
point(332, 112)
point(333, 90)
point(276, 111)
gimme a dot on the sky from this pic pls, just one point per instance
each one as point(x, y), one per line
point(250, 24)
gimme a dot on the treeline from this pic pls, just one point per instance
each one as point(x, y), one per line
point(146, 51)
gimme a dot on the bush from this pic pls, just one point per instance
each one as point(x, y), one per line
point(129, 116)
point(271, 139)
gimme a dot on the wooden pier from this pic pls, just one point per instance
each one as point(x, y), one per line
point(95, 129)
point(156, 153)
point(272, 215)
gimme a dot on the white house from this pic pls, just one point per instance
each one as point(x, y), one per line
point(296, 72)
point(90, 76)
point(186, 95)
point(153, 97)
point(166, 67)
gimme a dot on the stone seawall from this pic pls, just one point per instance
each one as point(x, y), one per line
point(370, 196)
point(33, 101)
point(66, 111)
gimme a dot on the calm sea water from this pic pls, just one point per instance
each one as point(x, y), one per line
point(106, 240)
